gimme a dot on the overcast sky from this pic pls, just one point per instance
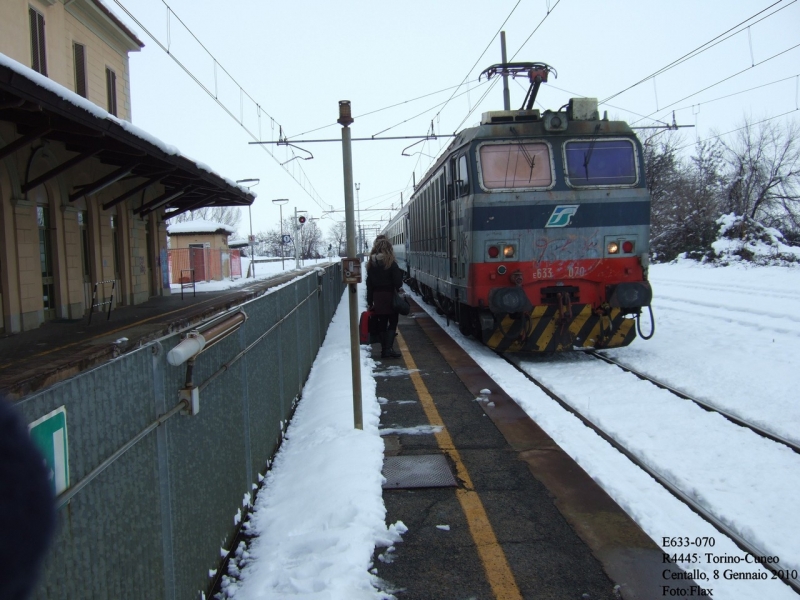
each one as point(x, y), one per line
point(296, 60)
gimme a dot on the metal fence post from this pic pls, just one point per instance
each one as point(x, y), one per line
point(165, 503)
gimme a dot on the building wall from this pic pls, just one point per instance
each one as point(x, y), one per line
point(79, 22)
point(138, 276)
point(216, 241)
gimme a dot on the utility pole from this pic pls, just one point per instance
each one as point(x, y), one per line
point(280, 202)
point(296, 236)
point(345, 119)
point(506, 95)
point(360, 229)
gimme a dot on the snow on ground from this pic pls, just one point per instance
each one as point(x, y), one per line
point(320, 513)
point(725, 334)
point(264, 270)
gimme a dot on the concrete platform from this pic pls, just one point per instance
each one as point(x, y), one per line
point(59, 349)
point(554, 532)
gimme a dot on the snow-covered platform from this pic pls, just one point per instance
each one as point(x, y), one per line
point(525, 519)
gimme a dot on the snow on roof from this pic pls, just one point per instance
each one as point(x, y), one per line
point(125, 29)
point(97, 112)
point(199, 226)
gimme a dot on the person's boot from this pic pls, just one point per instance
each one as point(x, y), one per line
point(382, 337)
point(389, 351)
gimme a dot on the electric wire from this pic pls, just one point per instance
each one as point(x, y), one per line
point(372, 112)
point(714, 137)
point(720, 81)
point(549, 10)
point(481, 56)
point(427, 110)
point(702, 48)
point(315, 196)
point(735, 93)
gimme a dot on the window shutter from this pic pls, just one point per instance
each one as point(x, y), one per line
point(80, 69)
point(38, 58)
point(111, 91)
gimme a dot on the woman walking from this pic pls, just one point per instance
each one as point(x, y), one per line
point(384, 280)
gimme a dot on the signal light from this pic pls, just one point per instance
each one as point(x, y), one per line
point(627, 247)
point(494, 252)
point(301, 219)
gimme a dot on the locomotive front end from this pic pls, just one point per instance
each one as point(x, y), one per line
point(560, 234)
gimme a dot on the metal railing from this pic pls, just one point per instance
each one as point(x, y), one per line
point(151, 495)
point(110, 301)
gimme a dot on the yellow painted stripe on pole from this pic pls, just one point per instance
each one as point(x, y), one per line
point(498, 573)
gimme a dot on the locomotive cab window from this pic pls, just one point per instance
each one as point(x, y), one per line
point(515, 165)
point(600, 163)
point(463, 176)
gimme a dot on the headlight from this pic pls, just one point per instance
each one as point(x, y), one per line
point(508, 251)
point(613, 247)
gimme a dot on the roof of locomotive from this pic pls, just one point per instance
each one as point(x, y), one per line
point(528, 123)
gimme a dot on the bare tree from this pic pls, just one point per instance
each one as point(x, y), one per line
point(227, 215)
point(764, 163)
point(338, 238)
point(309, 238)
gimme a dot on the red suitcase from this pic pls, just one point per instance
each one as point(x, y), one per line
point(366, 327)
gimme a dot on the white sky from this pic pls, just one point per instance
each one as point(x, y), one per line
point(298, 59)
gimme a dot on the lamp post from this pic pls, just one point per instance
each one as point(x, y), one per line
point(280, 202)
point(252, 182)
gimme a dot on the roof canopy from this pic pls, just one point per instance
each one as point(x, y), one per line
point(42, 109)
point(199, 226)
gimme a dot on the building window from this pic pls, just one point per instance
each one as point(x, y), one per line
point(38, 58)
point(111, 91)
point(46, 261)
point(83, 225)
point(79, 52)
point(115, 242)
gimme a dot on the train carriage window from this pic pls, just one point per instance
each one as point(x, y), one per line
point(515, 165)
point(600, 162)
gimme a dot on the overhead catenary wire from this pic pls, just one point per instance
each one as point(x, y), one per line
point(758, 87)
point(714, 137)
point(395, 105)
point(485, 50)
point(703, 47)
point(315, 196)
point(535, 29)
point(721, 81)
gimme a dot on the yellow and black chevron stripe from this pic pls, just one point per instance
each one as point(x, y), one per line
point(545, 331)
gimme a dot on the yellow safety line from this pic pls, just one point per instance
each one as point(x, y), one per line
point(492, 556)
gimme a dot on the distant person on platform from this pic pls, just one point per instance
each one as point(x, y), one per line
point(384, 280)
point(27, 509)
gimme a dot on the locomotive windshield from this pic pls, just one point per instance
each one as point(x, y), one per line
point(515, 165)
point(600, 162)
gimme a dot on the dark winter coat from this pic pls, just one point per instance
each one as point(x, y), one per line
point(382, 284)
point(27, 510)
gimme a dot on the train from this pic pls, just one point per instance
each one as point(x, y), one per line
point(532, 229)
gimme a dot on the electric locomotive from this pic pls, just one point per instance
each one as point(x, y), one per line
point(532, 229)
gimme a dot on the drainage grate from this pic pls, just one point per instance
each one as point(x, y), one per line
point(417, 471)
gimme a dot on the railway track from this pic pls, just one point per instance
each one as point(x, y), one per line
point(701, 403)
point(700, 510)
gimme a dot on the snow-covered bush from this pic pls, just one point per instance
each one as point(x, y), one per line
point(744, 240)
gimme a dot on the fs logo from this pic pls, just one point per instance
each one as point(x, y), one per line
point(562, 215)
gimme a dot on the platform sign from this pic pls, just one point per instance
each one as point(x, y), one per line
point(50, 435)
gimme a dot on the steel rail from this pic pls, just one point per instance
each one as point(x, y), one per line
point(670, 487)
point(701, 403)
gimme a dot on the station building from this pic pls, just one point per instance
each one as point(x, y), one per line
point(84, 194)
